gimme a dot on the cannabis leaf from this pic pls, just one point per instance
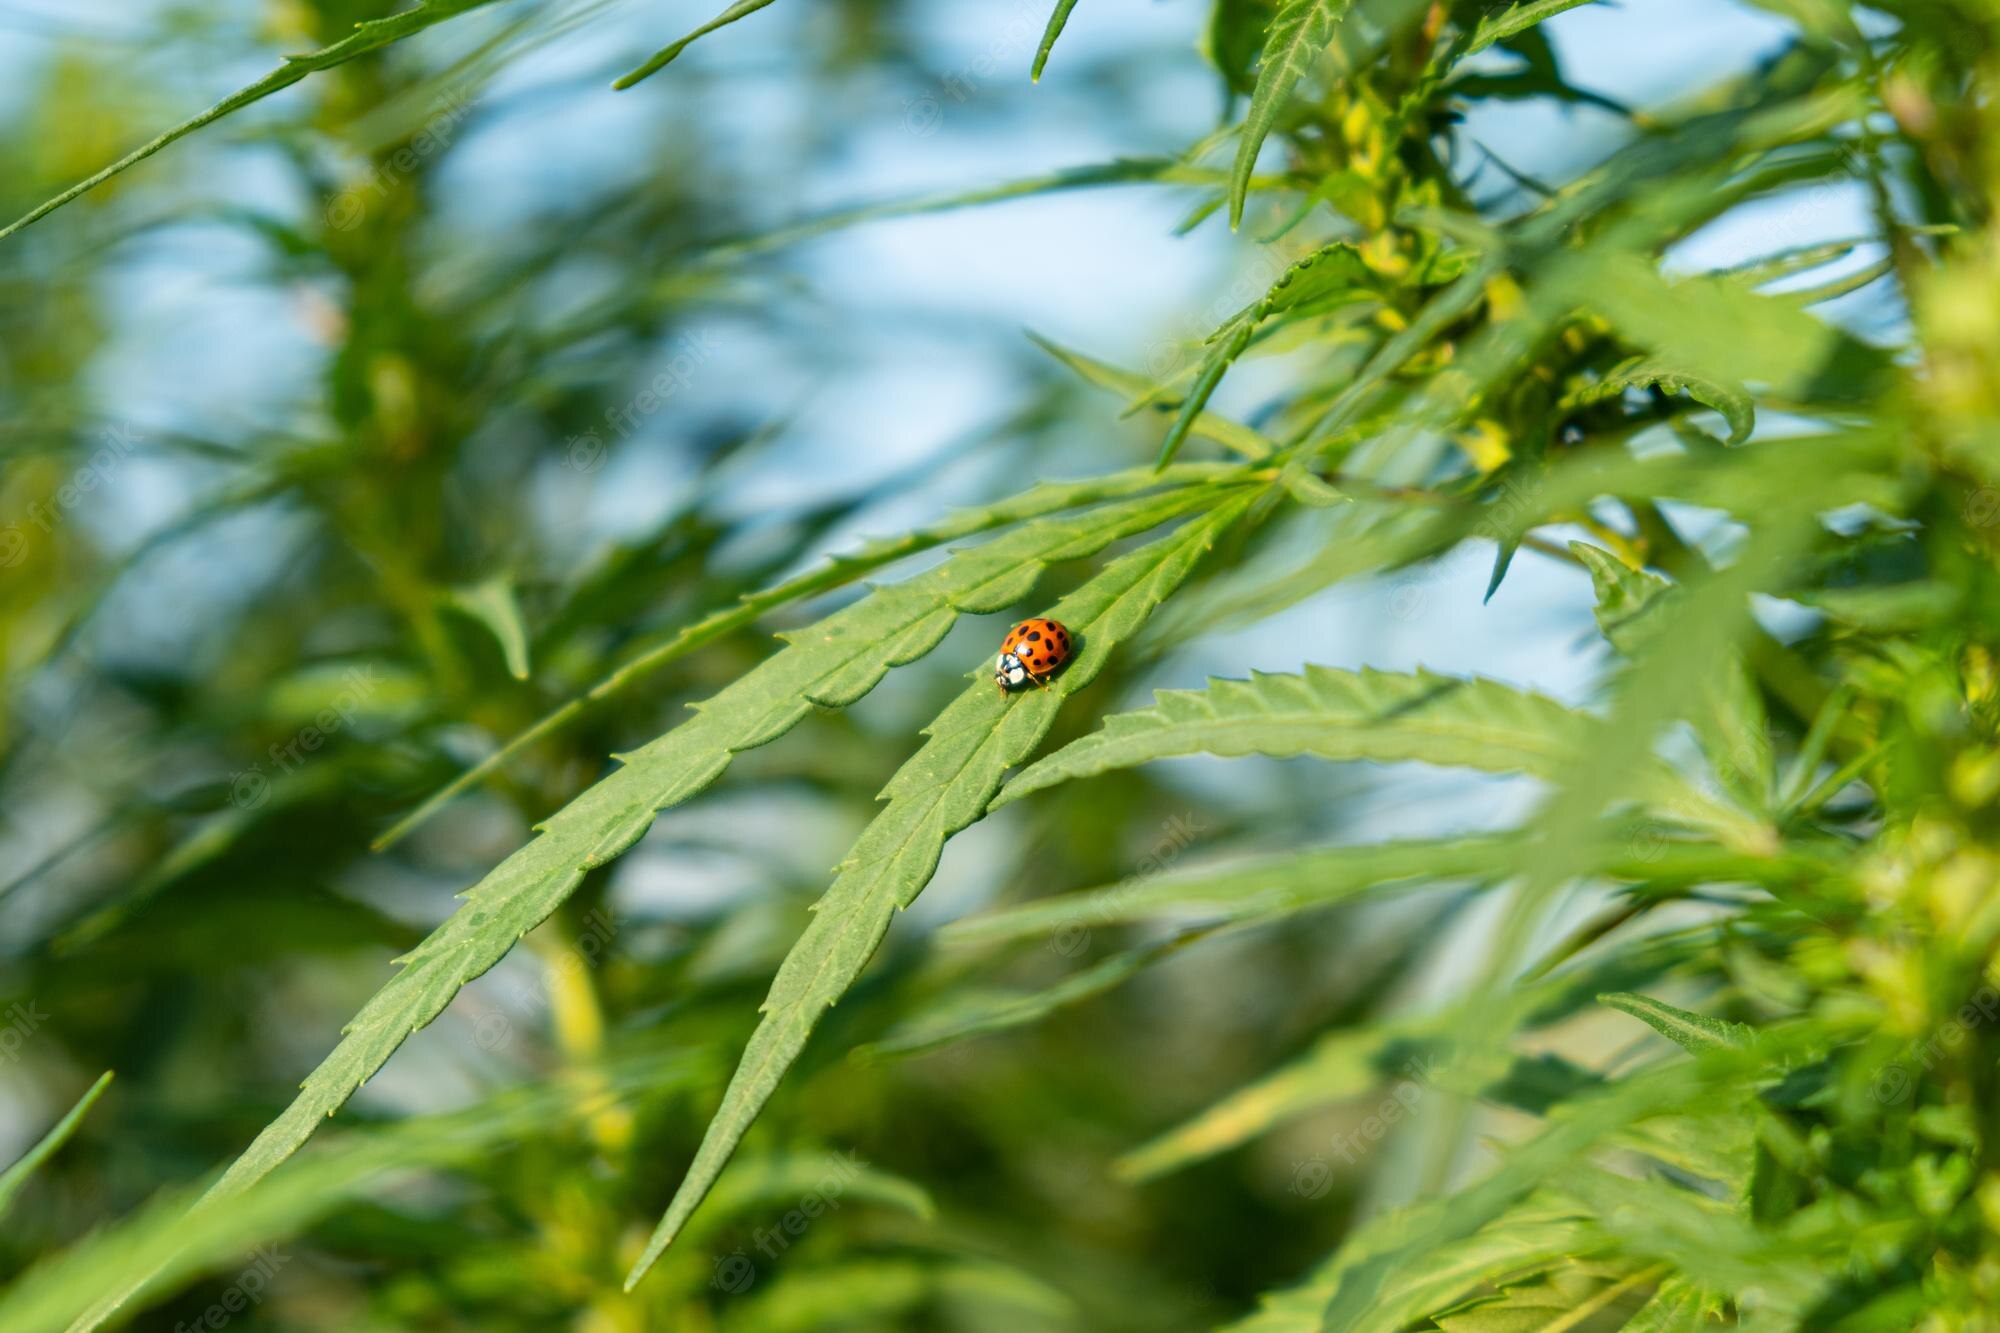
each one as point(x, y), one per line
point(1298, 32)
point(1057, 18)
point(665, 55)
point(943, 788)
point(370, 35)
point(830, 664)
point(838, 572)
point(1377, 715)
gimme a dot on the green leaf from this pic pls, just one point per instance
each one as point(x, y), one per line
point(1262, 887)
point(839, 572)
point(1374, 715)
point(1630, 602)
point(943, 788)
point(1223, 350)
point(1338, 1066)
point(663, 57)
point(1553, 1300)
point(494, 605)
point(1515, 20)
point(1314, 493)
point(1693, 1033)
point(1679, 1306)
point(1348, 1063)
point(1299, 31)
point(1652, 372)
point(1414, 1265)
point(829, 664)
point(1634, 609)
point(1207, 425)
point(167, 1241)
point(1708, 333)
point(367, 36)
point(1057, 19)
point(15, 1176)
point(1715, 1145)
point(1655, 1219)
point(978, 1013)
point(1525, 1239)
point(782, 1178)
point(1330, 273)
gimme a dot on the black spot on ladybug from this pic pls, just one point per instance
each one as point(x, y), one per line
point(1034, 636)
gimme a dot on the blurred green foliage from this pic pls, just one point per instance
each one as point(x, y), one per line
point(1701, 1035)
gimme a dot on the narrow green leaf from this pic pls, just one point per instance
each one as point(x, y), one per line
point(368, 36)
point(981, 1012)
point(1634, 609)
point(1652, 372)
point(1120, 171)
point(1339, 1066)
point(1299, 31)
point(1222, 354)
point(15, 1176)
point(1515, 20)
point(1057, 19)
point(1314, 493)
point(494, 605)
point(1346, 1063)
point(839, 572)
point(1525, 1239)
point(167, 1241)
point(1414, 1254)
point(1715, 1145)
point(784, 1177)
point(1262, 887)
point(665, 55)
point(1655, 1219)
point(1207, 425)
point(831, 663)
point(1374, 715)
point(1630, 602)
point(1714, 332)
point(1693, 1033)
point(1332, 273)
point(943, 788)
point(1555, 1300)
point(1679, 1306)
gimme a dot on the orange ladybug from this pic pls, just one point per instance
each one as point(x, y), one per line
point(1033, 650)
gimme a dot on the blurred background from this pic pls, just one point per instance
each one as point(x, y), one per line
point(422, 394)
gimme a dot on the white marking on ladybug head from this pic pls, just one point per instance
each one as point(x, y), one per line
point(1009, 671)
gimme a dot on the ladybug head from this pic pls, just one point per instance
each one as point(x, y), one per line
point(1008, 671)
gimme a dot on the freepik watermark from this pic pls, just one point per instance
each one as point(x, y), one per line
point(247, 1290)
point(1895, 1079)
point(251, 787)
point(1013, 41)
point(1313, 1177)
point(587, 451)
point(24, 1020)
point(736, 1273)
point(1176, 836)
point(345, 210)
point(116, 444)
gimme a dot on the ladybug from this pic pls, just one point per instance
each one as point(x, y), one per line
point(1033, 650)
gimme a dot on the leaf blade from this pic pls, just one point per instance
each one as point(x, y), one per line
point(1335, 714)
point(1057, 20)
point(666, 55)
point(1299, 31)
point(941, 789)
point(16, 1176)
